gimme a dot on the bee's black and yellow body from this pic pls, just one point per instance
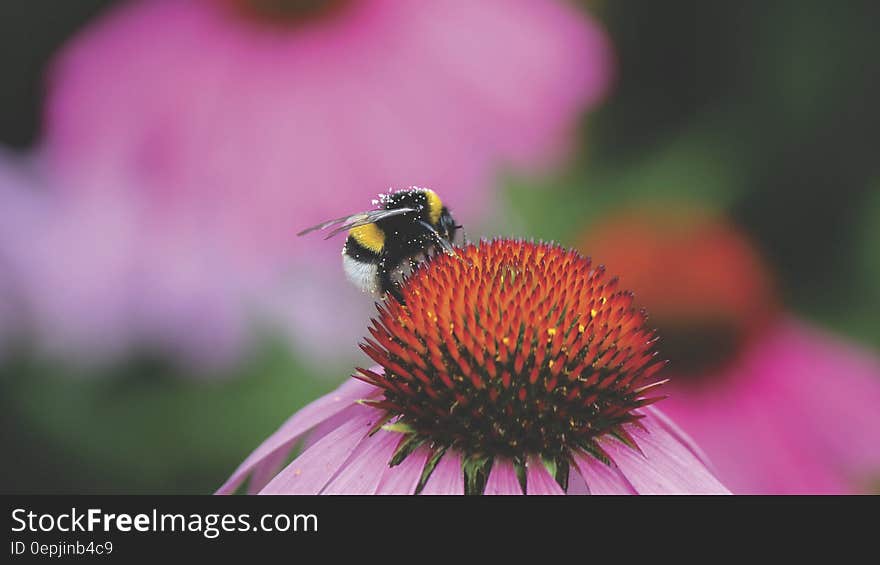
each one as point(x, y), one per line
point(375, 252)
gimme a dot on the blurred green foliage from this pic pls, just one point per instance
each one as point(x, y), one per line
point(155, 430)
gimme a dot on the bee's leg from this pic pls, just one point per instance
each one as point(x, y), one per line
point(438, 240)
point(394, 291)
point(386, 284)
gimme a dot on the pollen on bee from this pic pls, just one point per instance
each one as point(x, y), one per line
point(593, 313)
point(551, 331)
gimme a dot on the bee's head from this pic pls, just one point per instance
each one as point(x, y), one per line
point(435, 213)
point(431, 211)
point(446, 225)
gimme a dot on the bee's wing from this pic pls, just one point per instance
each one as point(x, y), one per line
point(327, 224)
point(355, 220)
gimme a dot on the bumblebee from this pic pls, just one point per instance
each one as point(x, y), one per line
point(383, 244)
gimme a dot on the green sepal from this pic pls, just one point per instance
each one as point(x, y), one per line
point(399, 427)
point(380, 424)
point(593, 449)
point(550, 464)
point(430, 464)
point(520, 467)
point(407, 445)
point(476, 472)
point(627, 439)
point(563, 468)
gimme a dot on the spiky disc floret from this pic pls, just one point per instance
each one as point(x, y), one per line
point(511, 349)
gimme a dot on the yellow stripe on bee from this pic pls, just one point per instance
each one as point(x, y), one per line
point(370, 236)
point(435, 206)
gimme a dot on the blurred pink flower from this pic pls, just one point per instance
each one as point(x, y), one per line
point(18, 207)
point(241, 129)
point(779, 406)
point(797, 414)
point(89, 279)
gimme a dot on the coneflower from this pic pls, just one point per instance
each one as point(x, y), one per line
point(508, 368)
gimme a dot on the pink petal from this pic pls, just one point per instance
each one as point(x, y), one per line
point(835, 390)
point(576, 484)
point(364, 470)
point(751, 444)
point(502, 478)
point(665, 466)
point(601, 478)
point(298, 424)
point(316, 466)
point(448, 477)
point(403, 478)
point(675, 431)
point(315, 434)
point(265, 471)
point(539, 480)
